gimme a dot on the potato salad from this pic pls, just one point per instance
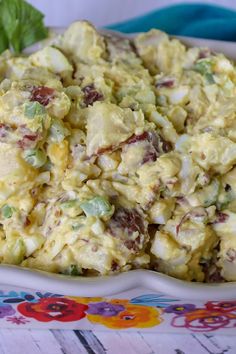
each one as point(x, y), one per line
point(118, 154)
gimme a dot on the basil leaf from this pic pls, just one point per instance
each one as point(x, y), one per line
point(4, 43)
point(22, 23)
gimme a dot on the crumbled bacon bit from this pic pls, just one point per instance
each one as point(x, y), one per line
point(166, 145)
point(104, 150)
point(132, 244)
point(124, 224)
point(114, 266)
point(27, 222)
point(127, 219)
point(28, 140)
point(212, 273)
point(204, 53)
point(42, 94)
point(221, 218)
point(157, 145)
point(4, 129)
point(91, 95)
point(197, 212)
point(165, 82)
point(150, 155)
point(134, 138)
point(215, 276)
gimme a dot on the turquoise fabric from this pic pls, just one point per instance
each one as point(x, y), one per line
point(193, 20)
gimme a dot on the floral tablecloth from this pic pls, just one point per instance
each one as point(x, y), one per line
point(133, 310)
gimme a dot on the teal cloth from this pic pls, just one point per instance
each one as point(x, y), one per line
point(192, 20)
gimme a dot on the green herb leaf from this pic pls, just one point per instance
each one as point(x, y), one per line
point(33, 109)
point(4, 43)
point(97, 206)
point(73, 270)
point(22, 23)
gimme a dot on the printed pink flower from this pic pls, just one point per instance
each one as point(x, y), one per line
point(202, 320)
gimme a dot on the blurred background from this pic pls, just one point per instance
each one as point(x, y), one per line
point(104, 12)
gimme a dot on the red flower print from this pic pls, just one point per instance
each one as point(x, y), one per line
point(223, 306)
point(53, 309)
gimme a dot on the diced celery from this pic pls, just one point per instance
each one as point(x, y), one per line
point(57, 131)
point(33, 109)
point(7, 211)
point(35, 157)
point(97, 206)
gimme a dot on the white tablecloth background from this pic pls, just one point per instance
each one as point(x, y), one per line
point(103, 12)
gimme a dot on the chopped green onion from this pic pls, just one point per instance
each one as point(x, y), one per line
point(73, 270)
point(97, 206)
point(203, 66)
point(209, 78)
point(33, 109)
point(7, 211)
point(57, 131)
point(35, 157)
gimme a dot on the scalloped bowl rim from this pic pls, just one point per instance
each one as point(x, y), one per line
point(109, 285)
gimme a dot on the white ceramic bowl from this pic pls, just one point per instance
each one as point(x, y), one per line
point(109, 285)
